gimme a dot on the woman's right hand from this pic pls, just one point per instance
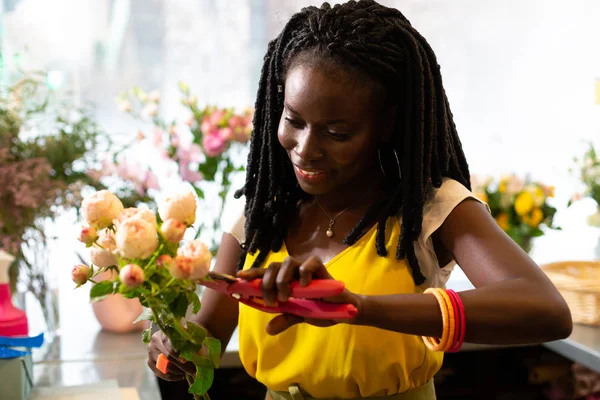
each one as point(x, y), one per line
point(177, 368)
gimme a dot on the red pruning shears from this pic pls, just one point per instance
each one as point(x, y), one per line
point(304, 300)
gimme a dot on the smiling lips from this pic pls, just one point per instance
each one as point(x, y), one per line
point(308, 175)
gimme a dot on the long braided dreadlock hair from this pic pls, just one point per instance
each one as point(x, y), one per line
point(381, 43)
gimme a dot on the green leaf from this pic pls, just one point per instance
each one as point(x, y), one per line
point(197, 332)
point(147, 335)
point(102, 289)
point(204, 376)
point(146, 315)
point(199, 192)
point(214, 350)
point(179, 306)
point(195, 303)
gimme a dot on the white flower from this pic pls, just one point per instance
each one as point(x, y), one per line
point(101, 253)
point(181, 206)
point(149, 110)
point(136, 238)
point(101, 208)
point(154, 96)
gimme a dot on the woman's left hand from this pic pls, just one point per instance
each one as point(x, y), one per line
point(276, 279)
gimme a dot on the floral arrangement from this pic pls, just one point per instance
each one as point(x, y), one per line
point(144, 250)
point(589, 170)
point(47, 146)
point(519, 206)
point(203, 151)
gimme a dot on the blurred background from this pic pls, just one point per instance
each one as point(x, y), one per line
point(522, 78)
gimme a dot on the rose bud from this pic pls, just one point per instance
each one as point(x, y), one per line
point(88, 235)
point(165, 261)
point(132, 275)
point(80, 274)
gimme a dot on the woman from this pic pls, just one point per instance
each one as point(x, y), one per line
point(356, 172)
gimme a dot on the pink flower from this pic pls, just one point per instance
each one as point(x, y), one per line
point(101, 253)
point(180, 206)
point(188, 175)
point(88, 235)
point(190, 121)
point(189, 152)
point(128, 171)
point(101, 208)
point(80, 274)
point(125, 106)
point(94, 174)
point(180, 268)
point(151, 180)
point(173, 230)
point(226, 134)
point(196, 253)
point(135, 212)
point(136, 238)
point(213, 144)
point(132, 275)
point(216, 118)
point(165, 261)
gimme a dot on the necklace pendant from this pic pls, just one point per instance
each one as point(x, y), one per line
point(329, 231)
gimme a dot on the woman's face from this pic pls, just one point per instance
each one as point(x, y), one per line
point(328, 130)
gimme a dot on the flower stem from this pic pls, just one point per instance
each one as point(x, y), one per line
point(190, 380)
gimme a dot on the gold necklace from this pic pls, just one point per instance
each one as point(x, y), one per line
point(329, 231)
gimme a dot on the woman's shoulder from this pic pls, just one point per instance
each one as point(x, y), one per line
point(234, 219)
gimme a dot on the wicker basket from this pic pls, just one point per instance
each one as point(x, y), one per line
point(579, 284)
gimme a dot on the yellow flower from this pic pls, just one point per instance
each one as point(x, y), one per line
point(538, 196)
point(503, 222)
point(535, 218)
point(524, 203)
point(482, 196)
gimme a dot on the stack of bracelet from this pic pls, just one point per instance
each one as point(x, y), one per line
point(453, 320)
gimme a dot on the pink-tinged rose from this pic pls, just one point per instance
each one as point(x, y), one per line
point(213, 144)
point(154, 96)
point(135, 212)
point(173, 230)
point(180, 206)
point(150, 110)
point(199, 256)
point(189, 152)
point(80, 274)
point(207, 126)
point(165, 261)
point(136, 238)
point(226, 133)
point(101, 208)
point(88, 235)
point(181, 268)
point(101, 253)
point(132, 275)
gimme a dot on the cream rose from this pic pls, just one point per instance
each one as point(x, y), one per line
point(173, 230)
point(101, 208)
point(136, 238)
point(180, 267)
point(88, 235)
point(181, 206)
point(80, 274)
point(198, 255)
point(101, 253)
point(133, 212)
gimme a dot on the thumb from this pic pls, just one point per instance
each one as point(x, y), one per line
point(282, 322)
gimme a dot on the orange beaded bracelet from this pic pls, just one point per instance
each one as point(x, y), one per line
point(448, 322)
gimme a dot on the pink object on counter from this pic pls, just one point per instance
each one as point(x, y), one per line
point(13, 322)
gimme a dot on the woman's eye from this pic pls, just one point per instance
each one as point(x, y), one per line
point(338, 135)
point(295, 124)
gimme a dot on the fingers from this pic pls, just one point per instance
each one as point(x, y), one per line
point(176, 370)
point(288, 271)
point(251, 273)
point(311, 269)
point(269, 284)
point(282, 322)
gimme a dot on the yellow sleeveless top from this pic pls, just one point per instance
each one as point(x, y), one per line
point(342, 361)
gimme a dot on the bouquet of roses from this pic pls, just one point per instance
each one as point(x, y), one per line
point(152, 265)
